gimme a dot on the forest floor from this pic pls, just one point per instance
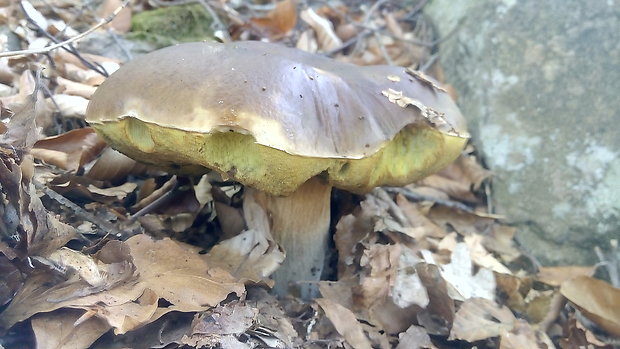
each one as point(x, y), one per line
point(90, 241)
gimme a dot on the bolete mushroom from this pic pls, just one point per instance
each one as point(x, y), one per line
point(287, 124)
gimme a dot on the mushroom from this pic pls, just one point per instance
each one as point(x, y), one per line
point(287, 124)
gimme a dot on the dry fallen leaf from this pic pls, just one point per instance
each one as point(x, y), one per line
point(414, 338)
point(597, 300)
point(225, 323)
point(253, 254)
point(480, 318)
point(323, 29)
point(345, 323)
point(59, 329)
point(71, 150)
point(556, 276)
point(278, 22)
point(459, 273)
point(164, 270)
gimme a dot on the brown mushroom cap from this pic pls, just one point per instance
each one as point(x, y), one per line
point(272, 117)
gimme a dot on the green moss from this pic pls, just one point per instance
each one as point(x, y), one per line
point(414, 153)
point(170, 25)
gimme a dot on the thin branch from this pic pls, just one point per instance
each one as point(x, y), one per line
point(383, 50)
point(609, 260)
point(104, 226)
point(68, 41)
point(410, 195)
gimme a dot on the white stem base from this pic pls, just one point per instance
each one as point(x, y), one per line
point(299, 223)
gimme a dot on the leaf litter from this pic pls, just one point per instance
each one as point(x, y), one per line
point(99, 251)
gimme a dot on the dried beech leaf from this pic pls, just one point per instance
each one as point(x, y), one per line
point(113, 166)
point(252, 255)
point(414, 338)
point(524, 336)
point(345, 323)
point(69, 105)
point(438, 316)
point(73, 88)
point(323, 29)
point(279, 21)
point(408, 288)
point(122, 21)
point(22, 132)
point(481, 257)
point(480, 318)
point(556, 276)
point(598, 301)
point(353, 228)
point(459, 273)
point(70, 150)
point(164, 270)
point(35, 230)
point(380, 263)
point(221, 325)
point(60, 329)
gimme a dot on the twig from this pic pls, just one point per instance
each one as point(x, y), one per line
point(168, 190)
point(610, 261)
point(416, 8)
point(80, 212)
point(394, 209)
point(69, 48)
point(410, 195)
point(429, 62)
point(383, 50)
point(367, 30)
point(348, 43)
point(68, 41)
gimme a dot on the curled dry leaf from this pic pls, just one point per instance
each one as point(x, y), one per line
point(345, 323)
point(323, 29)
point(253, 254)
point(597, 300)
point(71, 150)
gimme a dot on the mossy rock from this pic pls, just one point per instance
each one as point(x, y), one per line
point(171, 25)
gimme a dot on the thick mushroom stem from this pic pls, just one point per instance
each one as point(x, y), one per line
point(300, 225)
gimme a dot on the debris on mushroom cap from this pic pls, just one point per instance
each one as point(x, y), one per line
point(308, 114)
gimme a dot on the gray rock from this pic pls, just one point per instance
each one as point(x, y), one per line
point(539, 83)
